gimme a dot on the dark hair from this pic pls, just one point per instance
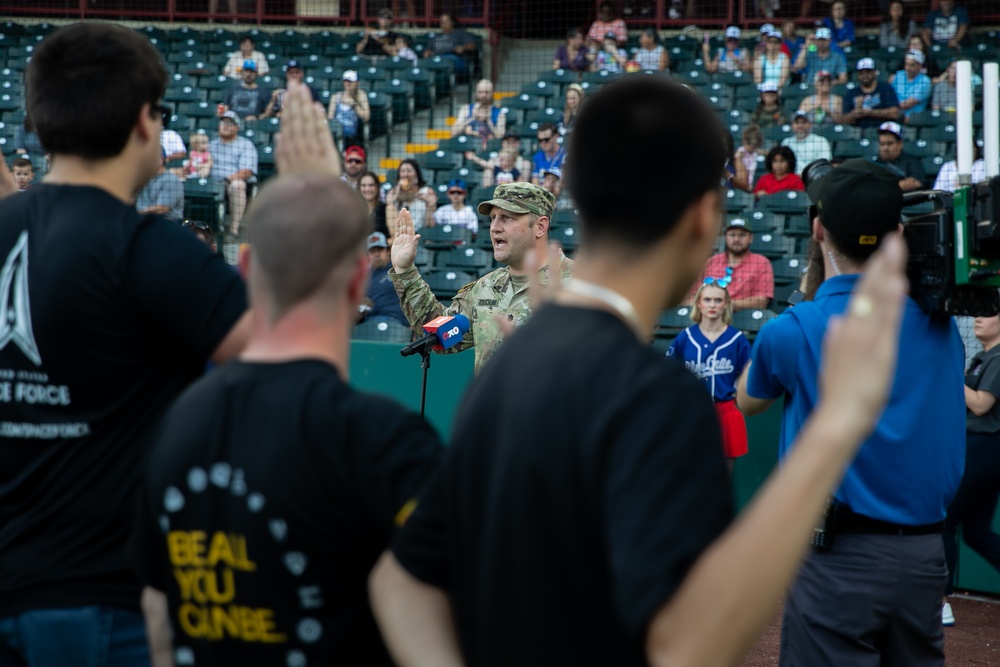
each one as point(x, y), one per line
point(86, 85)
point(606, 5)
point(651, 33)
point(416, 167)
point(378, 183)
point(904, 19)
point(547, 127)
point(22, 162)
point(783, 151)
point(247, 38)
point(642, 122)
point(573, 32)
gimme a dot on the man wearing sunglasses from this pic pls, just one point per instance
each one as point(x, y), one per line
point(549, 155)
point(748, 276)
point(107, 317)
point(355, 164)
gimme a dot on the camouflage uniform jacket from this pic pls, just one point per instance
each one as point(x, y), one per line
point(479, 301)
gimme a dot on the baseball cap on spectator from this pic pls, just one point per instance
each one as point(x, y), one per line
point(385, 13)
point(250, 64)
point(866, 63)
point(766, 28)
point(917, 56)
point(350, 75)
point(769, 87)
point(732, 32)
point(456, 184)
point(822, 74)
point(355, 151)
point(823, 33)
point(555, 171)
point(891, 128)
point(739, 223)
point(293, 64)
point(231, 116)
point(377, 240)
point(801, 113)
point(859, 200)
point(520, 198)
point(774, 34)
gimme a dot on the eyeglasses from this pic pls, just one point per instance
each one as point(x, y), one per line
point(721, 283)
point(354, 161)
point(197, 224)
point(545, 140)
point(165, 112)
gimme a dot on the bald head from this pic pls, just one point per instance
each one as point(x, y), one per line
point(308, 233)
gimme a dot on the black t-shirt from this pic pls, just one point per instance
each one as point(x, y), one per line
point(270, 492)
point(984, 375)
point(373, 47)
point(586, 476)
point(247, 101)
point(107, 316)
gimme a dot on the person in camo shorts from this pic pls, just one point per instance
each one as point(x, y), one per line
point(520, 215)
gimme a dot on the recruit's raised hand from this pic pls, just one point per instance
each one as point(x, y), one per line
point(305, 142)
point(404, 245)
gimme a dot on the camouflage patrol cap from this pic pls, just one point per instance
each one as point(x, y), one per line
point(521, 198)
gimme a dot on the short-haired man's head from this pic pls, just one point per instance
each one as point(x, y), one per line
point(661, 130)
point(87, 83)
point(858, 203)
point(712, 289)
point(308, 230)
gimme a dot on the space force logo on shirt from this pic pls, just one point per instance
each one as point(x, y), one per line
point(15, 306)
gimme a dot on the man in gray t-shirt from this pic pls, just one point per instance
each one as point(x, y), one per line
point(453, 44)
point(163, 195)
point(234, 162)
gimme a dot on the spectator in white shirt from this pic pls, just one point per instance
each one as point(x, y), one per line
point(947, 178)
point(457, 213)
point(808, 147)
point(234, 66)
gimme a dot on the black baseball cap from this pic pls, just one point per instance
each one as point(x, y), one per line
point(859, 201)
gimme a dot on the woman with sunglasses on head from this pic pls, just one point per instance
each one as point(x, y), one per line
point(717, 353)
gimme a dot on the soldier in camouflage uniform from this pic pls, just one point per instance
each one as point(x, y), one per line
point(519, 224)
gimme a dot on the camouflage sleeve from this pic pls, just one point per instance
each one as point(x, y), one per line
point(420, 305)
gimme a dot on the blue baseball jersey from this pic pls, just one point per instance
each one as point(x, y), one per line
point(717, 363)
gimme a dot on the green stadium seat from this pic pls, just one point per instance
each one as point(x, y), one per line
point(751, 321)
point(559, 78)
point(738, 201)
point(380, 122)
point(524, 103)
point(600, 78)
point(566, 236)
point(787, 201)
point(445, 283)
point(772, 245)
point(204, 199)
point(382, 329)
point(468, 258)
point(439, 160)
point(541, 89)
point(789, 270)
point(177, 95)
point(764, 220)
point(835, 133)
point(674, 320)
point(845, 150)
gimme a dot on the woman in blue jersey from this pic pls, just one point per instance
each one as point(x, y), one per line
point(717, 353)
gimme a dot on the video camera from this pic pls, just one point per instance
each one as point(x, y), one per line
point(954, 244)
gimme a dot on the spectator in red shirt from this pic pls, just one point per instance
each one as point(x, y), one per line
point(752, 284)
point(780, 176)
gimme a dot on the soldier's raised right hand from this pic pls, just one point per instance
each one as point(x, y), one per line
point(404, 247)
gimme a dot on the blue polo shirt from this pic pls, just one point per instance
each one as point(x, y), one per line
point(908, 470)
point(919, 88)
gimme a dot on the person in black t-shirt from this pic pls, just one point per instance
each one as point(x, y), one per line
point(379, 40)
point(273, 486)
point(579, 517)
point(107, 315)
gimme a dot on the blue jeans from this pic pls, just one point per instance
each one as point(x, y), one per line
point(80, 637)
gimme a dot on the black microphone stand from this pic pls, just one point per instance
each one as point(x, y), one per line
point(425, 363)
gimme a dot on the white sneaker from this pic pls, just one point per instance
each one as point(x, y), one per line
point(947, 618)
